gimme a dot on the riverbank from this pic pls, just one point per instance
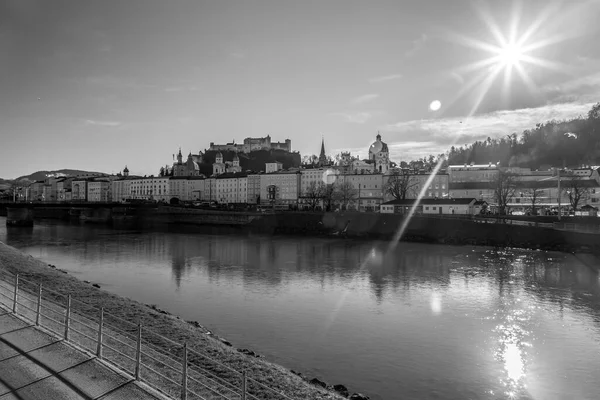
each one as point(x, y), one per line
point(158, 321)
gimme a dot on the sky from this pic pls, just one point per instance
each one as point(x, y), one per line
point(100, 84)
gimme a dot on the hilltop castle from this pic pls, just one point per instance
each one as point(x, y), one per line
point(253, 144)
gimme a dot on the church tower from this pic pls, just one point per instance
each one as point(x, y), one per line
point(126, 171)
point(179, 157)
point(322, 156)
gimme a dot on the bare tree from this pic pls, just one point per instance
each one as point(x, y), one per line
point(345, 193)
point(504, 189)
point(534, 196)
point(576, 190)
point(400, 185)
point(313, 194)
point(310, 160)
point(328, 193)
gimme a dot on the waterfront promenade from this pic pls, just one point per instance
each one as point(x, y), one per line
point(37, 365)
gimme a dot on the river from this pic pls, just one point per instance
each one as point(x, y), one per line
point(417, 321)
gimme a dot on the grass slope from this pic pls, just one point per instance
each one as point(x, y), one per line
point(270, 374)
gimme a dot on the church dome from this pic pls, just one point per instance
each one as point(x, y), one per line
point(378, 146)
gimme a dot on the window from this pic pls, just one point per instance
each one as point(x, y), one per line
point(434, 208)
point(427, 208)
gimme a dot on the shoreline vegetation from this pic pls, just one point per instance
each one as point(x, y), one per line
point(154, 319)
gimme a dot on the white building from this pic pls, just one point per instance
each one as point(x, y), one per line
point(79, 190)
point(195, 188)
point(121, 189)
point(99, 191)
point(368, 190)
point(253, 189)
point(150, 188)
point(273, 167)
point(433, 206)
point(281, 187)
point(178, 188)
point(316, 175)
point(231, 188)
point(473, 173)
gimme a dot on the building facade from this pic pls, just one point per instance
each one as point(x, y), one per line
point(281, 187)
point(79, 190)
point(368, 189)
point(99, 191)
point(231, 188)
point(253, 189)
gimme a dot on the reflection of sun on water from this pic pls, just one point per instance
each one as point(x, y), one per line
point(511, 352)
point(513, 362)
point(436, 303)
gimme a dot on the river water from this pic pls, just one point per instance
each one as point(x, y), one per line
point(415, 322)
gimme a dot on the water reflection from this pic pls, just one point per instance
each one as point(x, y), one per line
point(424, 321)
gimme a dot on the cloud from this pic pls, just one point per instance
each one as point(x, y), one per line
point(107, 124)
point(586, 88)
point(385, 78)
point(364, 98)
point(438, 135)
point(416, 45)
point(356, 118)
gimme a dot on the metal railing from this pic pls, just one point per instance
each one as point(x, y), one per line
point(174, 369)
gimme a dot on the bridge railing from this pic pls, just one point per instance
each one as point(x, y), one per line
point(175, 369)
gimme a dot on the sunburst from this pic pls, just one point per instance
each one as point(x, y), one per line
point(512, 50)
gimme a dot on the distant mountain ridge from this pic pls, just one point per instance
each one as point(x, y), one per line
point(41, 175)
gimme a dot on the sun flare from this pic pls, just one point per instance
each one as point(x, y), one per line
point(514, 48)
point(510, 55)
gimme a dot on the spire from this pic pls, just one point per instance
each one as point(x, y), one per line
point(322, 156)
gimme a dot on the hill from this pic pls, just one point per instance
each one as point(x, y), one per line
point(41, 175)
point(254, 161)
point(564, 143)
point(567, 143)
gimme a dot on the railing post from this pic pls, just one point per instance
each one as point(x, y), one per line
point(184, 373)
point(67, 317)
point(100, 326)
point(138, 356)
point(244, 383)
point(15, 294)
point(39, 305)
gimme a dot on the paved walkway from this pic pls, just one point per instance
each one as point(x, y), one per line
point(36, 365)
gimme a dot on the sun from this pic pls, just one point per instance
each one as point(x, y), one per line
point(511, 55)
point(514, 49)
